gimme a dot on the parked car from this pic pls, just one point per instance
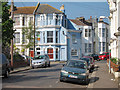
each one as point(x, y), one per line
point(95, 56)
point(4, 66)
point(89, 63)
point(104, 56)
point(41, 60)
point(75, 71)
point(25, 57)
point(92, 61)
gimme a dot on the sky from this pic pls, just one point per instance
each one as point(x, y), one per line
point(76, 9)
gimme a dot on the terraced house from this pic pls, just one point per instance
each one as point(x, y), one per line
point(114, 6)
point(86, 34)
point(52, 34)
point(22, 17)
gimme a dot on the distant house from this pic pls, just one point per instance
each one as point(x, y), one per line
point(104, 35)
point(85, 27)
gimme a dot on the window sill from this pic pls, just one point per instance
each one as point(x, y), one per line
point(74, 43)
point(74, 55)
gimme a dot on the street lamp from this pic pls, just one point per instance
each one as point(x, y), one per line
point(103, 17)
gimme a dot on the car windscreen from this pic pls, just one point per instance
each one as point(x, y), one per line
point(86, 59)
point(39, 57)
point(76, 64)
point(102, 54)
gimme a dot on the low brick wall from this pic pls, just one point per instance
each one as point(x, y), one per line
point(114, 66)
point(19, 64)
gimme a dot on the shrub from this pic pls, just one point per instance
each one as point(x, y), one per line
point(17, 57)
point(114, 60)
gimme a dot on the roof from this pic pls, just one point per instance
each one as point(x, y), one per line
point(24, 10)
point(47, 9)
point(103, 22)
point(78, 22)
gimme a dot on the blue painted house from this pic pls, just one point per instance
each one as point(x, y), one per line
point(54, 36)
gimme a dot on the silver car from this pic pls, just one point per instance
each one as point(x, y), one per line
point(41, 61)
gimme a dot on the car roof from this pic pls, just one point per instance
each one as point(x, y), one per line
point(77, 60)
point(87, 56)
point(84, 58)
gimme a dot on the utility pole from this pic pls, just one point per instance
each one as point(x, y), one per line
point(34, 34)
point(12, 15)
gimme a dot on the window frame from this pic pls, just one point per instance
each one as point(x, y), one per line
point(74, 52)
point(50, 37)
point(17, 21)
point(17, 38)
point(74, 40)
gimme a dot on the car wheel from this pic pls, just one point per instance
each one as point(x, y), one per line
point(61, 80)
point(90, 71)
point(6, 74)
point(87, 81)
point(33, 67)
point(45, 65)
point(49, 64)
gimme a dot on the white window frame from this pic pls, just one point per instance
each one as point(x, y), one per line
point(17, 21)
point(103, 46)
point(50, 37)
point(90, 48)
point(74, 52)
point(74, 40)
point(17, 38)
point(103, 32)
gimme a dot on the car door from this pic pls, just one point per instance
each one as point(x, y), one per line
point(46, 58)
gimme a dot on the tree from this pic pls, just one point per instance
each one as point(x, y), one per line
point(28, 34)
point(7, 28)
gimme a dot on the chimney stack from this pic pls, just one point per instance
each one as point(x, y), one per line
point(62, 8)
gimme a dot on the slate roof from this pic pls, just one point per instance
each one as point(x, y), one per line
point(24, 10)
point(78, 22)
point(103, 22)
point(47, 9)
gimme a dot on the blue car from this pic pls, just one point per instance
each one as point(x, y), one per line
point(76, 71)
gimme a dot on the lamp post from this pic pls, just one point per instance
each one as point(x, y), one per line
point(103, 17)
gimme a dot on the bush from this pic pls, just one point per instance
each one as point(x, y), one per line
point(17, 58)
point(114, 60)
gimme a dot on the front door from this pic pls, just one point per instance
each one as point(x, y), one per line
point(62, 53)
point(50, 53)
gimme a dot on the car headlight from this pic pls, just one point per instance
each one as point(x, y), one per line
point(84, 74)
point(63, 71)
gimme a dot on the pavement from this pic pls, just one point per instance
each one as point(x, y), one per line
point(28, 67)
point(102, 78)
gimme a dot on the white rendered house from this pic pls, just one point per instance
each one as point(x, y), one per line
point(114, 17)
